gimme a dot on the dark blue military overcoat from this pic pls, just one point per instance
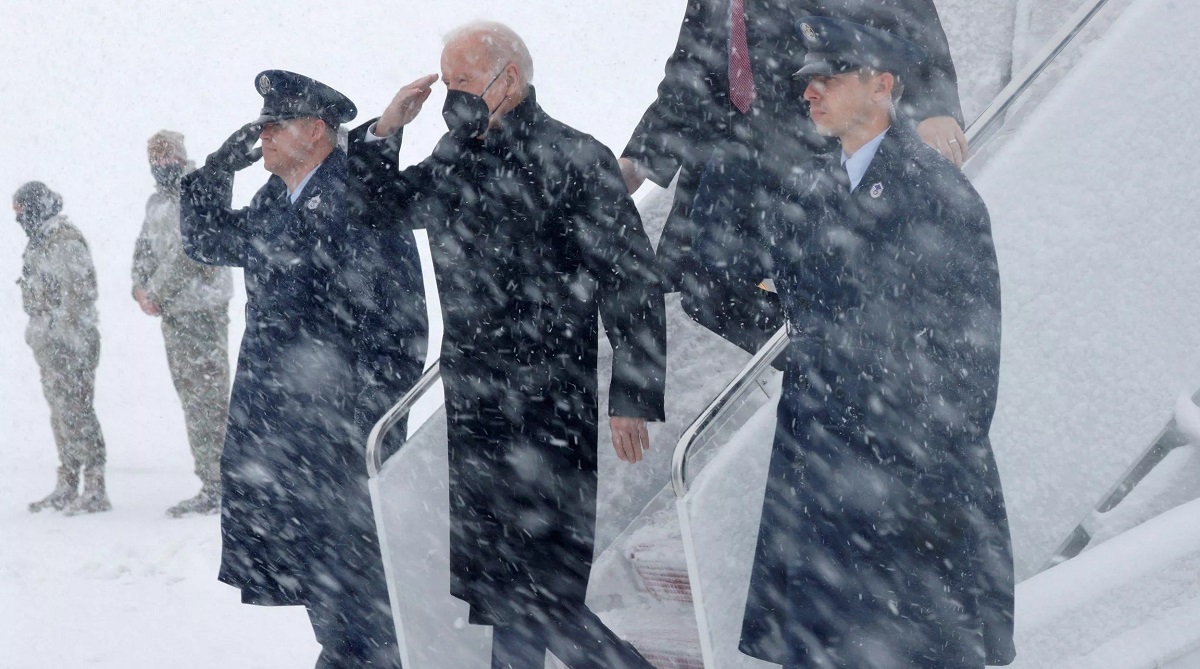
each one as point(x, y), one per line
point(884, 540)
point(296, 519)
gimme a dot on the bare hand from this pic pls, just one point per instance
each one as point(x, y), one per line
point(943, 134)
point(630, 437)
point(631, 174)
point(143, 299)
point(405, 106)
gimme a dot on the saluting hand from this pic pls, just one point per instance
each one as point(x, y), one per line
point(631, 172)
point(405, 106)
point(630, 437)
point(943, 134)
point(238, 152)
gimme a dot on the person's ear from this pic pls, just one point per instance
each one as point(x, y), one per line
point(512, 75)
point(884, 84)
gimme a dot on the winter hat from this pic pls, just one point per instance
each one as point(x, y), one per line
point(166, 144)
point(39, 202)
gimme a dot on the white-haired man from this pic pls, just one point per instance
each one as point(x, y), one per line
point(532, 234)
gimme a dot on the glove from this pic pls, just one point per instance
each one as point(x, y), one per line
point(238, 152)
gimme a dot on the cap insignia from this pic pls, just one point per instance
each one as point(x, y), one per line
point(877, 190)
point(264, 85)
point(808, 31)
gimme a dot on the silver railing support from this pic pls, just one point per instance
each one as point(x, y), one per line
point(396, 414)
point(742, 384)
point(726, 401)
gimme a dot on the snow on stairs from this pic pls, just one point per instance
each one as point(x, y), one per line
point(669, 639)
point(656, 614)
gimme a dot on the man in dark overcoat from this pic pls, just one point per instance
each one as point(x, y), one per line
point(296, 520)
point(884, 540)
point(533, 236)
point(728, 93)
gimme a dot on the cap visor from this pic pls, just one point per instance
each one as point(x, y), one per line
point(275, 118)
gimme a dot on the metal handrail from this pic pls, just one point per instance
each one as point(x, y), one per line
point(729, 398)
point(726, 401)
point(397, 413)
point(1021, 83)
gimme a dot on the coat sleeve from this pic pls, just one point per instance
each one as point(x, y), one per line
point(73, 276)
point(618, 255)
point(175, 274)
point(379, 193)
point(933, 91)
point(392, 326)
point(213, 232)
point(963, 329)
point(684, 116)
point(144, 262)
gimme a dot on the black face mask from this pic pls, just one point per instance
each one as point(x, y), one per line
point(28, 221)
point(167, 175)
point(467, 114)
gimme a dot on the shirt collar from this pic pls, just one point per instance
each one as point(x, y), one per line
point(295, 195)
point(856, 165)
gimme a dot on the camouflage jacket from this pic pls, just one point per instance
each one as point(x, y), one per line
point(58, 284)
point(174, 282)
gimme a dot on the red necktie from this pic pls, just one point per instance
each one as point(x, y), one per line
point(741, 79)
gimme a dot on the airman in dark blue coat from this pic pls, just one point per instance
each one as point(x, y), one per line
point(296, 521)
point(884, 540)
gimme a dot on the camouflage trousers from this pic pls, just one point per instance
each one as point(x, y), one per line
point(69, 384)
point(197, 345)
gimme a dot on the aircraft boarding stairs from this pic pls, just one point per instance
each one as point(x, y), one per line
point(1101, 337)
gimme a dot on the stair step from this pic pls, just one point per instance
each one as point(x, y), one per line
point(656, 553)
point(665, 634)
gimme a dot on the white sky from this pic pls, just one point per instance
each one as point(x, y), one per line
point(85, 83)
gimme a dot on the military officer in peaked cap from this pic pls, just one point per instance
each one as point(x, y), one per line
point(296, 520)
point(884, 540)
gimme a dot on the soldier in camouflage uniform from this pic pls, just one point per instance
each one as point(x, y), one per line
point(58, 291)
point(193, 301)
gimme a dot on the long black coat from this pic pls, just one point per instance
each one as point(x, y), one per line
point(883, 532)
point(296, 519)
point(532, 236)
point(693, 117)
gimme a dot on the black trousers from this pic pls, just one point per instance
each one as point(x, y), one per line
point(354, 635)
point(576, 636)
point(350, 609)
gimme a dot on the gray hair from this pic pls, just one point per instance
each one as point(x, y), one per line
point(503, 44)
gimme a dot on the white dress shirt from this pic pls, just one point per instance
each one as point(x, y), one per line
point(856, 165)
point(295, 195)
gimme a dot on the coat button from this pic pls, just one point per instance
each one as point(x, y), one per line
point(839, 393)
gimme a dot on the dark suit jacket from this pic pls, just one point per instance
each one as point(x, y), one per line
point(693, 115)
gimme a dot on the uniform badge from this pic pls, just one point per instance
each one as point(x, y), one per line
point(877, 190)
point(808, 31)
point(313, 203)
point(264, 85)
